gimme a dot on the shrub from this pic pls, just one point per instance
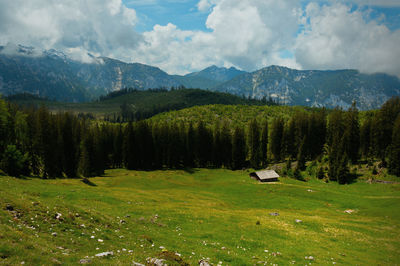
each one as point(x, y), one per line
point(13, 162)
point(320, 173)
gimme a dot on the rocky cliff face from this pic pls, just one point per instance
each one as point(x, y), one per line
point(315, 88)
point(52, 74)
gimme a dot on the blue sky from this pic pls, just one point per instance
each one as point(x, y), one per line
point(182, 36)
point(186, 16)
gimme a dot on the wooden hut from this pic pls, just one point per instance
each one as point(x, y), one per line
point(265, 176)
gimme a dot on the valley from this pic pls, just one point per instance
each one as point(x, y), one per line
point(221, 216)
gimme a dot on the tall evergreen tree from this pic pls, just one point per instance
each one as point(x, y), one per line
point(264, 144)
point(365, 137)
point(394, 154)
point(276, 138)
point(301, 157)
point(129, 147)
point(254, 144)
point(190, 146)
point(69, 142)
point(226, 144)
point(383, 127)
point(352, 134)
point(238, 149)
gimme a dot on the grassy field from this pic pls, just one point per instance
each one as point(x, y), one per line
point(217, 214)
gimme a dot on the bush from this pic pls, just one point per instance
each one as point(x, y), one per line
point(13, 162)
point(320, 173)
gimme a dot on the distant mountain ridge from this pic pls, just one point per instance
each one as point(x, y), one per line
point(54, 75)
point(314, 87)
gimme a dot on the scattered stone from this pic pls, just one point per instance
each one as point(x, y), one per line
point(298, 221)
point(85, 261)
point(162, 247)
point(223, 248)
point(77, 215)
point(56, 261)
point(310, 190)
point(100, 240)
point(91, 237)
point(122, 222)
point(266, 251)
point(274, 214)
point(127, 216)
point(134, 263)
point(57, 216)
point(204, 262)
point(54, 234)
point(349, 211)
point(105, 254)
point(156, 262)
point(309, 258)
point(9, 207)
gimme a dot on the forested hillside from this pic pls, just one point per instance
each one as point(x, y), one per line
point(132, 105)
point(34, 141)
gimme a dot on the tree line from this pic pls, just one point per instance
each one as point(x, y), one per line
point(37, 142)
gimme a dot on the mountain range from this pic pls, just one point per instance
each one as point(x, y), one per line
point(54, 75)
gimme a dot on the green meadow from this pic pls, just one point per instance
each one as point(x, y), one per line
point(185, 216)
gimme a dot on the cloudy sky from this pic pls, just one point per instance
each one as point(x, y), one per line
point(181, 36)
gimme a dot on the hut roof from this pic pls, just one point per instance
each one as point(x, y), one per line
point(267, 174)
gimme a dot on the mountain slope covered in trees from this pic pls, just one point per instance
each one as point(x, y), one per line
point(130, 105)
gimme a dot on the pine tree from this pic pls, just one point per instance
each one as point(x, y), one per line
point(226, 144)
point(69, 142)
point(383, 127)
point(365, 138)
point(352, 134)
point(394, 154)
point(238, 149)
point(190, 146)
point(129, 147)
point(254, 144)
point(86, 167)
point(264, 144)
point(276, 138)
point(343, 173)
point(301, 158)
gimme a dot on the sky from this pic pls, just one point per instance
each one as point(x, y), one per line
point(182, 36)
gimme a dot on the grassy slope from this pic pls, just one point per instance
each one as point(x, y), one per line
point(212, 213)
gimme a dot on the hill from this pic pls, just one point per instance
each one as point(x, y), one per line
point(184, 217)
point(315, 88)
point(236, 114)
point(141, 104)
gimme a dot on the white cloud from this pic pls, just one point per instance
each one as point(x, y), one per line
point(339, 38)
point(96, 26)
point(248, 34)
